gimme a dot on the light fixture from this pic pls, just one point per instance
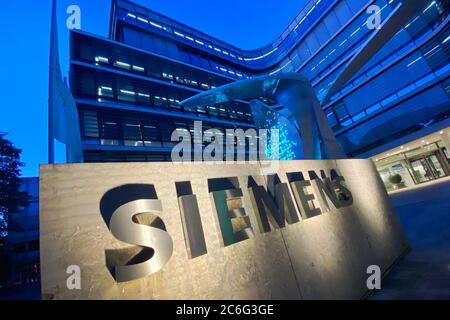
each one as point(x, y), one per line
point(122, 64)
point(137, 68)
point(101, 59)
point(128, 92)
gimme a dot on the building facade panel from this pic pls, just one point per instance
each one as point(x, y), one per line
point(151, 62)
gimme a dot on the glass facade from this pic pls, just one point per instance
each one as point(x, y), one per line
point(23, 237)
point(128, 87)
point(422, 160)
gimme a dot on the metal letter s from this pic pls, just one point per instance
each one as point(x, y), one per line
point(137, 223)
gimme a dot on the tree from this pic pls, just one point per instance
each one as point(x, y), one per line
point(11, 198)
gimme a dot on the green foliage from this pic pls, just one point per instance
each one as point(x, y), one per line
point(395, 179)
point(10, 196)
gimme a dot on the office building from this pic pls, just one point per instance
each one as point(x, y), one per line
point(22, 247)
point(128, 86)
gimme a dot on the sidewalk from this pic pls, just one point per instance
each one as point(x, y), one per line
point(424, 273)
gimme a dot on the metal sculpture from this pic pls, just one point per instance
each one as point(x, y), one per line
point(295, 99)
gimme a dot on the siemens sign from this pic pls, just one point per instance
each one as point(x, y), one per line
point(133, 214)
point(308, 230)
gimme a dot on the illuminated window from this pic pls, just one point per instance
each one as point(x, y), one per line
point(105, 91)
point(142, 19)
point(156, 25)
point(139, 69)
point(122, 65)
point(101, 59)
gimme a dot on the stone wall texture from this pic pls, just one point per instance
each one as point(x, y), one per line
point(324, 257)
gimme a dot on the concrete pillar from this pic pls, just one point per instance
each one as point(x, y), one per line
point(446, 139)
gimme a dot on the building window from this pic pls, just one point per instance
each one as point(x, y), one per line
point(19, 247)
point(90, 124)
point(27, 273)
point(447, 154)
point(110, 132)
point(341, 113)
point(126, 95)
point(33, 245)
point(132, 134)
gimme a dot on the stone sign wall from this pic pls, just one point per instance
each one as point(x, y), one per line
point(209, 231)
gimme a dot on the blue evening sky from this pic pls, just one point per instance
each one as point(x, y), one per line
point(25, 34)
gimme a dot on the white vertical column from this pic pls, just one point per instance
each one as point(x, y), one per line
point(446, 139)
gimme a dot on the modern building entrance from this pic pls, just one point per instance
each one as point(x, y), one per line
point(428, 167)
point(423, 160)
